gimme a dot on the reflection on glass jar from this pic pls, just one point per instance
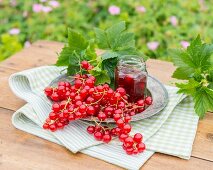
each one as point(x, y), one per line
point(131, 74)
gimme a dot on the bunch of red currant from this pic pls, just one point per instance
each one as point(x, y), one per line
point(83, 99)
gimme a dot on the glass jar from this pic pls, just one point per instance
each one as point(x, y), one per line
point(131, 74)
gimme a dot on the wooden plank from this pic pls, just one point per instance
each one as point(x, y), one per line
point(202, 147)
point(20, 150)
point(7, 97)
point(165, 162)
point(31, 57)
point(203, 144)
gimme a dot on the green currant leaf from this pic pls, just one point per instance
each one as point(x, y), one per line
point(203, 101)
point(76, 41)
point(188, 88)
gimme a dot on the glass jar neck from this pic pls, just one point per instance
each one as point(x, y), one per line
point(132, 61)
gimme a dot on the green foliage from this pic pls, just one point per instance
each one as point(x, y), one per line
point(80, 48)
point(8, 46)
point(84, 15)
point(195, 65)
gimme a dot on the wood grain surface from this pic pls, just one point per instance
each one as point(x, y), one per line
point(19, 150)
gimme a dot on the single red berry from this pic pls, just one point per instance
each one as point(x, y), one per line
point(91, 91)
point(90, 129)
point(67, 84)
point(61, 83)
point(120, 123)
point(107, 138)
point(82, 108)
point(90, 100)
point(65, 113)
point(89, 82)
point(78, 98)
point(116, 116)
point(127, 128)
point(85, 64)
point(55, 97)
point(122, 137)
point(118, 111)
point(110, 93)
point(78, 115)
point(53, 127)
point(141, 147)
point(121, 105)
point(56, 107)
point(63, 104)
point(117, 96)
point(113, 132)
point(127, 118)
point(78, 83)
point(45, 126)
point(121, 90)
point(118, 131)
point(98, 128)
point(106, 87)
point(140, 103)
point(48, 91)
point(59, 125)
point(78, 103)
point(100, 88)
point(148, 100)
point(90, 110)
point(138, 138)
point(129, 150)
point(135, 151)
point(132, 113)
point(128, 141)
point(92, 78)
point(102, 116)
point(71, 117)
point(98, 136)
point(61, 90)
point(52, 115)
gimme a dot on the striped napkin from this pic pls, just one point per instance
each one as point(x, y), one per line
point(171, 132)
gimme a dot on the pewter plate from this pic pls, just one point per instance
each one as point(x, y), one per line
point(154, 87)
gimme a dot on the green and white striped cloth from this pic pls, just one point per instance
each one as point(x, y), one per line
point(171, 132)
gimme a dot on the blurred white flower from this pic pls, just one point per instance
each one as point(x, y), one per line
point(114, 10)
point(184, 44)
point(13, 3)
point(25, 14)
point(54, 4)
point(27, 44)
point(174, 20)
point(43, 0)
point(141, 9)
point(14, 31)
point(37, 8)
point(153, 45)
point(46, 9)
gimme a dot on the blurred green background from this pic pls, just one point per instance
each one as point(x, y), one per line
point(157, 24)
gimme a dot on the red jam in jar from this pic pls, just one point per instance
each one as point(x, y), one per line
point(131, 74)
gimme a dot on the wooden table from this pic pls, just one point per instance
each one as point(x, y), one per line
point(20, 150)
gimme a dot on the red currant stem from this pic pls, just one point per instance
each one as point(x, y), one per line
point(98, 100)
point(124, 100)
point(67, 102)
point(116, 105)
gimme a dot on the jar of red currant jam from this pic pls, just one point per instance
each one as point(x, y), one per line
point(131, 74)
